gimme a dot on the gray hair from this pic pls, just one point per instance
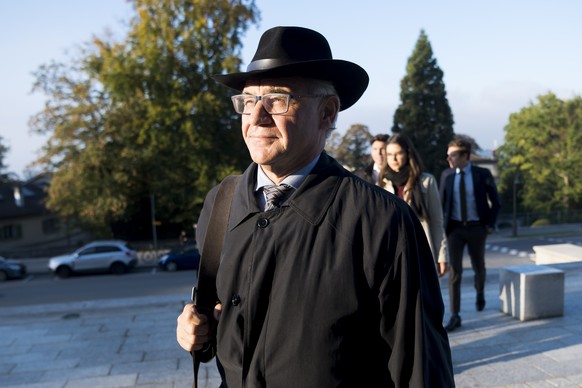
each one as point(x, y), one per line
point(324, 88)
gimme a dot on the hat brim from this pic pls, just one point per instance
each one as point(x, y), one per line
point(349, 79)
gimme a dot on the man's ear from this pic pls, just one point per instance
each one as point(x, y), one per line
point(329, 111)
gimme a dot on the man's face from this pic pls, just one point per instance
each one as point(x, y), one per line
point(379, 153)
point(457, 157)
point(283, 143)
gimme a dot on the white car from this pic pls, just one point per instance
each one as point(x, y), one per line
point(114, 256)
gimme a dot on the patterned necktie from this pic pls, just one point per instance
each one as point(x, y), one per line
point(275, 195)
point(463, 195)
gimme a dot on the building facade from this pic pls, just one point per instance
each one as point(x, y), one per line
point(27, 227)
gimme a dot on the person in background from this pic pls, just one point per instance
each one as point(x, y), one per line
point(404, 176)
point(183, 238)
point(333, 284)
point(378, 151)
point(470, 207)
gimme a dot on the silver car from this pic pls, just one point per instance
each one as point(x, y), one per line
point(114, 256)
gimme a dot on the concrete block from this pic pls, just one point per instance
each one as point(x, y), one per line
point(531, 291)
point(557, 253)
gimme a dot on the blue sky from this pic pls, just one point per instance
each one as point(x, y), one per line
point(497, 56)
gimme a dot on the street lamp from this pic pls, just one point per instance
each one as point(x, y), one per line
point(154, 222)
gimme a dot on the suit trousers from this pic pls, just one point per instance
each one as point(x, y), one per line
point(473, 235)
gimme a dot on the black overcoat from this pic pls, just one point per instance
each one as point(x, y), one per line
point(337, 288)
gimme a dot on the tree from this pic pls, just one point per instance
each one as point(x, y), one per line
point(424, 114)
point(142, 120)
point(542, 143)
point(351, 150)
point(3, 151)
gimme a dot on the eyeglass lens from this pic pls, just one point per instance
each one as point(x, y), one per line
point(273, 103)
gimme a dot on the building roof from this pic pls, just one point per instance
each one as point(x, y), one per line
point(22, 199)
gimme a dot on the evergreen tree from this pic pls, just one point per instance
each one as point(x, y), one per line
point(424, 114)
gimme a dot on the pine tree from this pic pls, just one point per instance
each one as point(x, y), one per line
point(424, 114)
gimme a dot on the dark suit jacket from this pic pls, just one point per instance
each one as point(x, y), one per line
point(485, 190)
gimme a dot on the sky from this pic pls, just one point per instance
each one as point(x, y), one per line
point(497, 56)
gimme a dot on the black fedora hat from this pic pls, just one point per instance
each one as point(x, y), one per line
point(298, 51)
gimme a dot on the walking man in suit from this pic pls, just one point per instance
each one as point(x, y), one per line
point(470, 207)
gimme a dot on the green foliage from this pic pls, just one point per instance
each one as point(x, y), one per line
point(142, 117)
point(351, 150)
point(540, 222)
point(542, 144)
point(424, 114)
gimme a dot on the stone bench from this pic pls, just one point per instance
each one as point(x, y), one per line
point(531, 291)
point(557, 253)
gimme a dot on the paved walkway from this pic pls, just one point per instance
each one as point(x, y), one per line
point(131, 342)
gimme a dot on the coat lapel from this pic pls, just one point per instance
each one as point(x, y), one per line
point(311, 200)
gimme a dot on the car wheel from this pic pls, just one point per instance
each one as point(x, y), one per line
point(3, 276)
point(118, 268)
point(171, 266)
point(63, 271)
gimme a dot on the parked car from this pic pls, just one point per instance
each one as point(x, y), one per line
point(184, 257)
point(115, 256)
point(11, 269)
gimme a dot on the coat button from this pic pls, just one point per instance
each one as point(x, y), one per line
point(235, 300)
point(263, 222)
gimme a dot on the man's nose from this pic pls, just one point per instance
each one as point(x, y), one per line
point(259, 115)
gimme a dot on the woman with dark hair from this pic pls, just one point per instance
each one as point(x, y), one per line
point(404, 176)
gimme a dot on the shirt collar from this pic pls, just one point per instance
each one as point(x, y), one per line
point(294, 180)
point(467, 169)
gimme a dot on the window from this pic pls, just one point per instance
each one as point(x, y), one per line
point(88, 251)
point(10, 232)
point(51, 225)
point(107, 248)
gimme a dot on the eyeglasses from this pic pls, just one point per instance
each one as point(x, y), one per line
point(273, 103)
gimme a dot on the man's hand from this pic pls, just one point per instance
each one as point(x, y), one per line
point(193, 330)
point(443, 267)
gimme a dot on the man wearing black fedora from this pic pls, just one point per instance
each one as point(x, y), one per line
point(324, 279)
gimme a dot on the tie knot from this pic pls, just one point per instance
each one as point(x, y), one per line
point(276, 195)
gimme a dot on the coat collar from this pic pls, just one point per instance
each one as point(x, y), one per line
point(311, 200)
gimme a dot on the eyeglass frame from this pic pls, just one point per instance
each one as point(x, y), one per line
point(261, 97)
